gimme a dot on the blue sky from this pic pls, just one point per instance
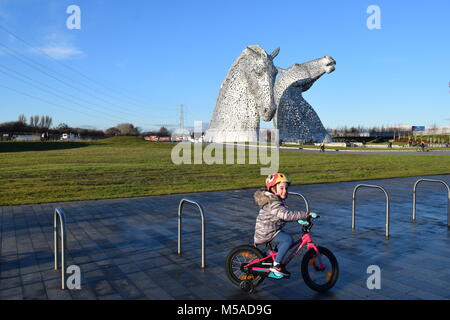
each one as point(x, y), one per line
point(147, 57)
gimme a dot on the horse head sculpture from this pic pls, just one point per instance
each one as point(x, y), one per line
point(246, 96)
point(295, 118)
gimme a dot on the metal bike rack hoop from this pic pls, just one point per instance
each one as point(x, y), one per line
point(304, 199)
point(354, 206)
point(60, 216)
point(202, 216)
point(448, 197)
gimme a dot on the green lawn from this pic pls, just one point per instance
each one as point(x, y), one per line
point(38, 172)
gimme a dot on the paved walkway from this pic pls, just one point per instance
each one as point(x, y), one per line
point(412, 151)
point(126, 248)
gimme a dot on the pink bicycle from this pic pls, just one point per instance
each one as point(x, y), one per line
point(246, 266)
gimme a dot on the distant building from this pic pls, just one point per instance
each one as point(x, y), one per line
point(69, 136)
point(151, 138)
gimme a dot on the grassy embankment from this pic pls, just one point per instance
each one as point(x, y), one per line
point(39, 172)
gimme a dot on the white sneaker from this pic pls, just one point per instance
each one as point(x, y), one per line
point(279, 270)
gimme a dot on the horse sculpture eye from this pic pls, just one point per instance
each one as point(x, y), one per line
point(259, 73)
point(259, 70)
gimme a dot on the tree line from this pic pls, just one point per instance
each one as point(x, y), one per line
point(128, 129)
point(349, 131)
point(38, 124)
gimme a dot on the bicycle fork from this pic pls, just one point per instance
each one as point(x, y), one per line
point(321, 266)
point(306, 240)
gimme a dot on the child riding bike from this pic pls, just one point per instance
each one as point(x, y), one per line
point(272, 217)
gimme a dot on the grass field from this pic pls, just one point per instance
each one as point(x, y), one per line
point(38, 172)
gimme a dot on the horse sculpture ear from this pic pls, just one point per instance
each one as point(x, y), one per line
point(253, 51)
point(275, 53)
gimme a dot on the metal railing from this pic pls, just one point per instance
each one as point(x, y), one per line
point(354, 207)
point(304, 199)
point(448, 198)
point(61, 217)
point(202, 216)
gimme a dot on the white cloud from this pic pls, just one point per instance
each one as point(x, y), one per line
point(58, 45)
point(59, 51)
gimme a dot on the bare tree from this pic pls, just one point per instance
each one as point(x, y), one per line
point(40, 123)
point(62, 126)
point(112, 131)
point(22, 119)
point(127, 129)
point(45, 122)
point(48, 122)
point(163, 132)
point(34, 121)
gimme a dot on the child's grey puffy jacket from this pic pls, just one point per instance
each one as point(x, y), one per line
point(272, 216)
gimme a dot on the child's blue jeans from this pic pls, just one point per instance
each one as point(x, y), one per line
point(283, 242)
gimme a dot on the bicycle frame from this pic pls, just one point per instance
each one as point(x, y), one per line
point(305, 240)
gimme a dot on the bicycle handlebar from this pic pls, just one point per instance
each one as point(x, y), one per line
point(308, 219)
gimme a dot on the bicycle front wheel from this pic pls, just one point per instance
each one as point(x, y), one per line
point(320, 278)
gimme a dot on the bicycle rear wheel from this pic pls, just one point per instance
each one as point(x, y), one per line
point(236, 259)
point(315, 277)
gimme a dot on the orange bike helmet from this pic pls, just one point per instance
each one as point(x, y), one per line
point(273, 179)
